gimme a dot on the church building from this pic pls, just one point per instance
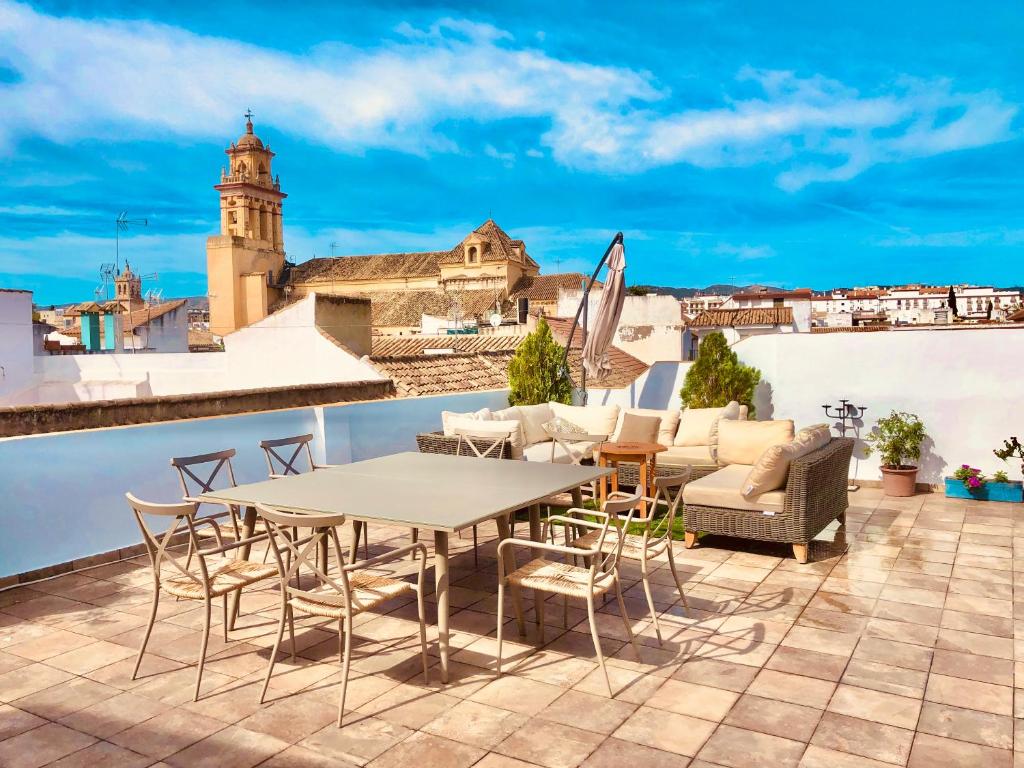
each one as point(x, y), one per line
point(487, 272)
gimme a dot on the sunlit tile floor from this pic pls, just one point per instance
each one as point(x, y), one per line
point(897, 645)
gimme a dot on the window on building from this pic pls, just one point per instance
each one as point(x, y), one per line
point(471, 255)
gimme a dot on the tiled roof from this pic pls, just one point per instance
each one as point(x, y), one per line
point(545, 287)
point(409, 265)
point(799, 293)
point(1017, 317)
point(136, 318)
point(403, 346)
point(418, 375)
point(625, 367)
point(738, 318)
point(406, 308)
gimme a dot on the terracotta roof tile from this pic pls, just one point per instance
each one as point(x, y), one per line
point(420, 375)
point(406, 308)
point(721, 318)
point(403, 346)
point(625, 367)
point(545, 287)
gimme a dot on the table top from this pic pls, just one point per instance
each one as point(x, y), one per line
point(418, 490)
point(631, 449)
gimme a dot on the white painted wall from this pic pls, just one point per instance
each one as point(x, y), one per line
point(16, 341)
point(283, 349)
point(966, 385)
point(75, 481)
point(657, 388)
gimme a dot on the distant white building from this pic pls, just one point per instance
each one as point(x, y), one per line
point(16, 339)
point(702, 303)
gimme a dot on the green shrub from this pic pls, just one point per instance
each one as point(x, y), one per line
point(718, 377)
point(534, 373)
point(897, 438)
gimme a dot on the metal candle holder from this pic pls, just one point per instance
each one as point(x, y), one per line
point(843, 413)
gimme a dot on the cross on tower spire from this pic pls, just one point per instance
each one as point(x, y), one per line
point(248, 120)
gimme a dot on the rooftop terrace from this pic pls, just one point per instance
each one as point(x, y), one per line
point(896, 645)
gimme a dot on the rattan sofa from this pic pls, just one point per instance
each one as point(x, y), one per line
point(815, 495)
point(438, 442)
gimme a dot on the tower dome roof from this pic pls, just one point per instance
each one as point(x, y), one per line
point(249, 139)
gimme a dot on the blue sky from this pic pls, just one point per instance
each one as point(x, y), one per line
point(787, 143)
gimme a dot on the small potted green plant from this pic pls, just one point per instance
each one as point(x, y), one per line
point(897, 438)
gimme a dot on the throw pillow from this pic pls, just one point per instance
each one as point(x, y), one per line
point(666, 431)
point(731, 411)
point(595, 419)
point(772, 469)
point(560, 426)
point(638, 429)
point(534, 417)
point(743, 442)
point(695, 426)
point(484, 414)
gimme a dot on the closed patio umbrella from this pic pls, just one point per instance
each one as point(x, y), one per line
point(600, 335)
point(951, 301)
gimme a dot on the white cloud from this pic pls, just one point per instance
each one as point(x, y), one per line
point(967, 238)
point(101, 78)
point(744, 251)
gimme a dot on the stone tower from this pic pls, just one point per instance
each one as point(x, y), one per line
point(128, 289)
point(244, 262)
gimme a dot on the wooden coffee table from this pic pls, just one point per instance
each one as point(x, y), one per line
point(644, 454)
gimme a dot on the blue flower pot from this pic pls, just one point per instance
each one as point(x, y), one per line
point(990, 491)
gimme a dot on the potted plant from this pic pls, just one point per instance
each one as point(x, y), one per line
point(968, 482)
point(897, 438)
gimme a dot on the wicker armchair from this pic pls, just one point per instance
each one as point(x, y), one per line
point(815, 496)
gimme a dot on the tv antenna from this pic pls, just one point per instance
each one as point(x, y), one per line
point(121, 225)
point(108, 272)
point(333, 246)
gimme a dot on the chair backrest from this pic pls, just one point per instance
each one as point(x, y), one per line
point(158, 544)
point(577, 445)
point(292, 448)
point(482, 446)
point(668, 494)
point(199, 473)
point(292, 553)
point(619, 510)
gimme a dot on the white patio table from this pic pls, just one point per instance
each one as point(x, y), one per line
point(443, 494)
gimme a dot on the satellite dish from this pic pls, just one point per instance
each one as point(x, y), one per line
point(495, 319)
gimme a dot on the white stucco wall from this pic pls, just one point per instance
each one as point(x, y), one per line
point(966, 385)
point(16, 341)
point(283, 349)
point(97, 467)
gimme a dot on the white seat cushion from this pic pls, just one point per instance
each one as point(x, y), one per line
point(542, 452)
point(448, 425)
point(532, 417)
point(682, 455)
point(743, 442)
point(724, 489)
point(695, 426)
point(512, 428)
point(596, 419)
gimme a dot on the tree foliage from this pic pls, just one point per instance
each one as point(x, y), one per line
point(718, 377)
point(897, 438)
point(534, 373)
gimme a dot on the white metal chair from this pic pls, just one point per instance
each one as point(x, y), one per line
point(654, 539)
point(217, 575)
point(341, 595)
point(567, 579)
point(482, 446)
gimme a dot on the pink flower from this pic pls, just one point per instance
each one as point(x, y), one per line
point(965, 466)
point(973, 481)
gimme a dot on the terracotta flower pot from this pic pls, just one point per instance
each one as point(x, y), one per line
point(899, 481)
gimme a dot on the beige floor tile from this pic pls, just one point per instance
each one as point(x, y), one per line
point(862, 737)
point(105, 754)
point(693, 699)
point(300, 757)
point(632, 685)
point(976, 643)
point(967, 725)
point(970, 694)
point(824, 666)
point(292, 718)
point(30, 679)
point(985, 669)
point(517, 694)
point(64, 698)
point(89, 657)
point(739, 748)
point(615, 753)
point(795, 689)
point(478, 724)
point(820, 757)
point(232, 747)
point(894, 653)
point(494, 760)
point(821, 640)
point(115, 714)
point(718, 674)
point(427, 749)
point(553, 745)
point(666, 731)
point(409, 705)
point(602, 715)
point(360, 740)
point(876, 706)
point(886, 678)
point(14, 721)
point(931, 751)
point(166, 734)
point(57, 642)
point(777, 718)
point(42, 745)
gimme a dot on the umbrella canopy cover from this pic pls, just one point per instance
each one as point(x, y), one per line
point(606, 321)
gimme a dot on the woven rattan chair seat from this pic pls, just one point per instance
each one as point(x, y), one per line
point(559, 578)
point(632, 547)
point(368, 591)
point(226, 577)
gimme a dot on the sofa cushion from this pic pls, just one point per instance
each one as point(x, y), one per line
point(638, 429)
point(596, 419)
point(532, 418)
point(512, 427)
point(695, 426)
point(743, 442)
point(723, 489)
point(731, 412)
point(544, 451)
point(666, 429)
point(685, 455)
point(772, 469)
point(484, 414)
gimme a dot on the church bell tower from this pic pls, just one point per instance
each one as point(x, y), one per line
point(244, 262)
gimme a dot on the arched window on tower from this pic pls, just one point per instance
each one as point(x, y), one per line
point(472, 257)
point(265, 224)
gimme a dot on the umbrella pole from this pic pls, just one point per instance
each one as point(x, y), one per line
point(582, 309)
